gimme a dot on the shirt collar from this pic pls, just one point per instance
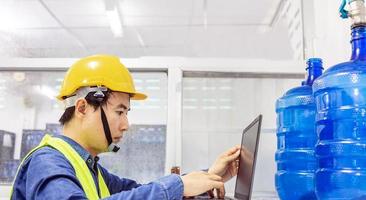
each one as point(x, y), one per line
point(84, 154)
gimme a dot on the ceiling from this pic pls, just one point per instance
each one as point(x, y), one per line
point(187, 28)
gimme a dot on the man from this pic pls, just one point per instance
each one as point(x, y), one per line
point(96, 91)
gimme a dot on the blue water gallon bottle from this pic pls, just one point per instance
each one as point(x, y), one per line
point(340, 97)
point(296, 138)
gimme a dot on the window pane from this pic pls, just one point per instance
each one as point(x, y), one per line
point(28, 110)
point(215, 112)
point(142, 153)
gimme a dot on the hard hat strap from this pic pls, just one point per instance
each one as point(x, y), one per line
point(82, 93)
point(111, 147)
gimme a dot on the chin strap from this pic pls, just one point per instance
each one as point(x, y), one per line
point(111, 146)
point(98, 93)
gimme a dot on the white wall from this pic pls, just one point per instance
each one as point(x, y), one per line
point(330, 35)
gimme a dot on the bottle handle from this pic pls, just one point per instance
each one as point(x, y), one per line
point(342, 11)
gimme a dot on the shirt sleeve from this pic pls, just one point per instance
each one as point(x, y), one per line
point(48, 175)
point(168, 187)
point(116, 184)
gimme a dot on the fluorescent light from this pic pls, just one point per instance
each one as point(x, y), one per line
point(135, 107)
point(225, 88)
point(154, 99)
point(115, 22)
point(209, 107)
point(19, 76)
point(225, 107)
point(46, 91)
point(225, 100)
point(208, 88)
point(209, 100)
point(153, 88)
point(152, 81)
point(189, 107)
point(7, 141)
point(189, 88)
point(152, 107)
point(225, 81)
point(189, 100)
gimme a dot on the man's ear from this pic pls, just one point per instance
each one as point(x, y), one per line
point(80, 107)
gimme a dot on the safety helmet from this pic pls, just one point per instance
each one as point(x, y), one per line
point(101, 71)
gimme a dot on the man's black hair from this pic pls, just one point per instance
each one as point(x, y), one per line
point(90, 99)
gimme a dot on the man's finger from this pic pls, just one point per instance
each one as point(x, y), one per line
point(234, 164)
point(211, 194)
point(232, 150)
point(215, 177)
point(233, 156)
point(217, 184)
point(220, 192)
point(235, 167)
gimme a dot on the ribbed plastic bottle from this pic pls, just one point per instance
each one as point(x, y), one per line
point(296, 139)
point(340, 96)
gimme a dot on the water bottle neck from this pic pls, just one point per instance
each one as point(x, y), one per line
point(314, 70)
point(358, 43)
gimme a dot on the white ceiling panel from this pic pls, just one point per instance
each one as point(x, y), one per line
point(164, 35)
point(104, 37)
point(76, 8)
point(159, 8)
point(24, 14)
point(160, 21)
point(168, 50)
point(236, 11)
point(121, 51)
point(79, 13)
point(95, 21)
point(197, 28)
point(227, 21)
point(51, 38)
point(257, 9)
point(238, 42)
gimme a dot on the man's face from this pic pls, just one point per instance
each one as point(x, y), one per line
point(116, 110)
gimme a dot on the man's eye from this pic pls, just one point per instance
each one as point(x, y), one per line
point(119, 112)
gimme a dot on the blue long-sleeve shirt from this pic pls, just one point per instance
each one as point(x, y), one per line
point(47, 174)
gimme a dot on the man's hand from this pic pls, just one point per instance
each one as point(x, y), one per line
point(226, 165)
point(196, 183)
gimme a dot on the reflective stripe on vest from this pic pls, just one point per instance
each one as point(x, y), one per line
point(82, 171)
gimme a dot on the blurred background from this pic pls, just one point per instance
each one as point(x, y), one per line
point(209, 68)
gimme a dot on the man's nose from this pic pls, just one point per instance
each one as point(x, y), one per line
point(124, 124)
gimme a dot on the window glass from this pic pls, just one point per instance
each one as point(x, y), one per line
point(142, 153)
point(216, 109)
point(29, 110)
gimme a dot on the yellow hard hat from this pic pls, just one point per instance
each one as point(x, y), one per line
point(99, 70)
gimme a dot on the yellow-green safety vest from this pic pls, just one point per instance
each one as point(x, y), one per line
point(82, 171)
